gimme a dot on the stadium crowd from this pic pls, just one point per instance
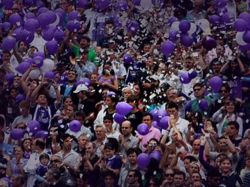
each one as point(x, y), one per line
point(116, 93)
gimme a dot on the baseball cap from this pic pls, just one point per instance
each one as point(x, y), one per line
point(81, 87)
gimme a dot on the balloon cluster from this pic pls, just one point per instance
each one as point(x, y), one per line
point(243, 31)
point(122, 109)
point(144, 159)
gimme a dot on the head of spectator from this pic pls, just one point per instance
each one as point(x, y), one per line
point(108, 121)
point(18, 181)
point(126, 128)
point(109, 179)
point(232, 129)
point(100, 133)
point(24, 108)
point(172, 109)
point(126, 92)
point(225, 166)
point(199, 90)
point(179, 178)
point(147, 119)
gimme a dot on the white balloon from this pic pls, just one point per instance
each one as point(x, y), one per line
point(203, 24)
point(56, 22)
point(192, 29)
point(239, 38)
point(175, 26)
point(48, 65)
point(34, 74)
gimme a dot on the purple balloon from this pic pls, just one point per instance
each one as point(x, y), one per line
point(136, 2)
point(214, 19)
point(122, 5)
point(29, 3)
point(119, 118)
point(203, 104)
point(127, 58)
point(184, 78)
point(30, 15)
point(209, 43)
point(186, 40)
point(167, 48)
point(20, 97)
point(73, 26)
point(38, 61)
point(83, 4)
point(155, 115)
point(193, 74)
point(143, 160)
point(156, 155)
point(23, 67)
point(215, 83)
point(74, 15)
point(184, 26)
point(52, 46)
point(75, 126)
point(59, 35)
point(42, 134)
point(6, 26)
point(33, 126)
point(42, 9)
point(46, 18)
point(41, 54)
point(123, 108)
point(49, 75)
point(29, 38)
point(246, 36)
point(164, 122)
point(133, 26)
point(225, 18)
point(17, 134)
point(102, 5)
point(8, 43)
point(31, 24)
point(9, 77)
point(245, 16)
point(8, 4)
point(48, 33)
point(15, 19)
point(143, 129)
point(173, 35)
point(155, 124)
point(240, 25)
point(21, 34)
point(220, 3)
point(157, 3)
point(162, 113)
point(172, 20)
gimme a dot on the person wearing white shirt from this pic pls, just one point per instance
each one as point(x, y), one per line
point(34, 162)
point(71, 159)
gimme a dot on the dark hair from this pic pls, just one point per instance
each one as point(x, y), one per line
point(110, 174)
point(178, 172)
point(41, 144)
point(80, 113)
point(172, 105)
point(131, 151)
point(108, 117)
point(43, 156)
point(132, 98)
point(226, 158)
point(235, 124)
point(198, 85)
point(147, 114)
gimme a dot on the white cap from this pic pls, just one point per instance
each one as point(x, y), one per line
point(81, 87)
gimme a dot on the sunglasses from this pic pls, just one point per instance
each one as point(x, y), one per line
point(55, 161)
point(169, 174)
point(223, 91)
point(197, 89)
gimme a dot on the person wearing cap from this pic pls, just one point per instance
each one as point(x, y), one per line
point(84, 104)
